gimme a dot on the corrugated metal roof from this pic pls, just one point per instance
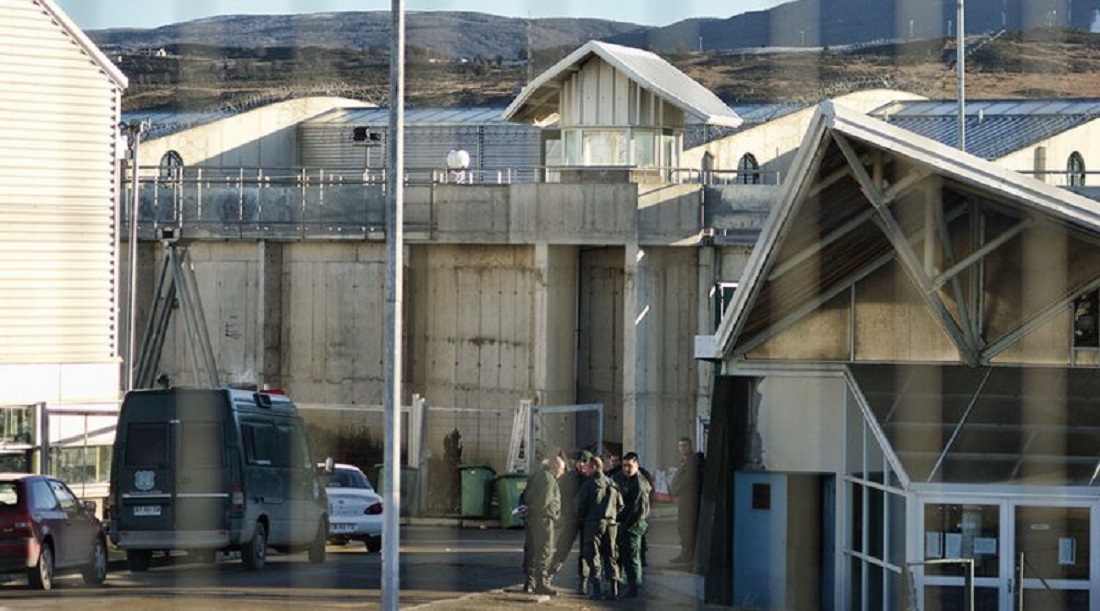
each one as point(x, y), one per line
point(755, 114)
point(436, 115)
point(994, 128)
point(649, 71)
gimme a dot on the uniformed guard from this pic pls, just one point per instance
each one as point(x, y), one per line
point(543, 501)
point(632, 519)
point(598, 505)
point(569, 525)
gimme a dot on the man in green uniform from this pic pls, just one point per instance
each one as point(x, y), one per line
point(568, 526)
point(598, 504)
point(543, 502)
point(685, 487)
point(632, 520)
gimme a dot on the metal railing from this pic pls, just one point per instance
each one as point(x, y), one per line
point(331, 176)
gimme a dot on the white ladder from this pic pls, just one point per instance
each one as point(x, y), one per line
point(517, 445)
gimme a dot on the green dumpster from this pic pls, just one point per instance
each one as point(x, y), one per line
point(409, 480)
point(508, 489)
point(476, 490)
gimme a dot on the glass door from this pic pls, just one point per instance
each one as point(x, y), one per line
point(956, 537)
point(1025, 555)
point(1053, 560)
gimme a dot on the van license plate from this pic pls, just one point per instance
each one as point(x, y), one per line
point(342, 527)
point(147, 510)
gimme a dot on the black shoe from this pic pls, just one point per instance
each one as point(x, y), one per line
point(545, 589)
point(595, 593)
point(613, 591)
point(631, 591)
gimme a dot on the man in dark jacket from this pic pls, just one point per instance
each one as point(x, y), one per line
point(685, 487)
point(598, 504)
point(543, 502)
point(632, 524)
point(569, 526)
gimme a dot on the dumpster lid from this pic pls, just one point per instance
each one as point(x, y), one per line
point(477, 466)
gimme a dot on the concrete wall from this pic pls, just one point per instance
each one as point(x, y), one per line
point(1050, 165)
point(486, 326)
point(559, 293)
point(799, 424)
point(266, 137)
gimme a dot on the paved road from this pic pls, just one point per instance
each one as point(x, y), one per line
point(443, 567)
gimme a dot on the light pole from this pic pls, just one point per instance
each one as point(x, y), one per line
point(960, 64)
point(133, 131)
point(391, 400)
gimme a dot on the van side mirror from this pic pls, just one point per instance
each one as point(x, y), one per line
point(330, 465)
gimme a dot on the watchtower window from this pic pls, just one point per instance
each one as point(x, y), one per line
point(171, 165)
point(1075, 170)
point(748, 170)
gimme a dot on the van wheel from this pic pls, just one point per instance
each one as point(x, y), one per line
point(254, 553)
point(317, 548)
point(139, 560)
point(40, 576)
point(374, 545)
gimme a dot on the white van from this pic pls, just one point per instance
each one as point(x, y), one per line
point(214, 469)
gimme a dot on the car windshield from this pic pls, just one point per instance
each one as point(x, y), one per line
point(349, 478)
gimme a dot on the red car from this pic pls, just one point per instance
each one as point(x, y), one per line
point(45, 529)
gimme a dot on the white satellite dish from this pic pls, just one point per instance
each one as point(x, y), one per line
point(458, 160)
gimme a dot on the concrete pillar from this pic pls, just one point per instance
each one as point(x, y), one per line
point(261, 285)
point(634, 424)
point(541, 322)
point(269, 312)
point(704, 373)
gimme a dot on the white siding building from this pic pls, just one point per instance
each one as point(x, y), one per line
point(59, 290)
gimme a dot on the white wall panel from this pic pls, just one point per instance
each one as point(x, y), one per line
point(58, 112)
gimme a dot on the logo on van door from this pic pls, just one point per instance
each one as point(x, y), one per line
point(144, 480)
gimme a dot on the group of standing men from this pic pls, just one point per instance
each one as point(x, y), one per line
point(609, 512)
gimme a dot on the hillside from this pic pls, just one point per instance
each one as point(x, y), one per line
point(1044, 62)
point(442, 34)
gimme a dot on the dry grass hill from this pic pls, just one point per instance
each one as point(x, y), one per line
point(1046, 62)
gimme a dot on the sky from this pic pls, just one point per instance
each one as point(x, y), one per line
point(99, 14)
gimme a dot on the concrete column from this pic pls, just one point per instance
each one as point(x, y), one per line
point(708, 277)
point(269, 311)
point(542, 322)
point(261, 311)
point(634, 424)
